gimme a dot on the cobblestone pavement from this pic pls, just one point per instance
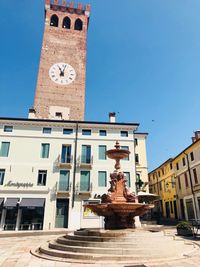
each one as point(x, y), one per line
point(15, 252)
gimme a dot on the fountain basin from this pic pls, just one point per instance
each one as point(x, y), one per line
point(119, 215)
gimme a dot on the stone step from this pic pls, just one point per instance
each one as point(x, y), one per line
point(127, 239)
point(130, 244)
point(99, 257)
point(115, 251)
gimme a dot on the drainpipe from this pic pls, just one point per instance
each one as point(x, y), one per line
point(192, 189)
point(74, 170)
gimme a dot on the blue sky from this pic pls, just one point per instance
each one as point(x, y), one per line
point(143, 62)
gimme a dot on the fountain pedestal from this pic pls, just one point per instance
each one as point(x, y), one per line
point(118, 206)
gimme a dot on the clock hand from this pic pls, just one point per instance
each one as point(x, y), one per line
point(64, 68)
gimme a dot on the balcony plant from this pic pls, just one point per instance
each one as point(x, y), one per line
point(184, 229)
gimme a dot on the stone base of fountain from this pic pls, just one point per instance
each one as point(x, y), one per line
point(131, 246)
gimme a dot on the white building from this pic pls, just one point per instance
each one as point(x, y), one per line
point(50, 168)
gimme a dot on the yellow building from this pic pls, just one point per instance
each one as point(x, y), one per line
point(162, 183)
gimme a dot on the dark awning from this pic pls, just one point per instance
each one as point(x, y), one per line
point(1, 201)
point(11, 202)
point(32, 202)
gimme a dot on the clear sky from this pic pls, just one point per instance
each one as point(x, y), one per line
point(143, 62)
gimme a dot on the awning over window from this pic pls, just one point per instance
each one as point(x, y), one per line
point(11, 202)
point(32, 202)
point(1, 201)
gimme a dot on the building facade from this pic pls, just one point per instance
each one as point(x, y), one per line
point(187, 172)
point(162, 183)
point(50, 168)
point(177, 183)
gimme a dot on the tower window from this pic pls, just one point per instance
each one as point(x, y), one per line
point(54, 21)
point(78, 25)
point(66, 23)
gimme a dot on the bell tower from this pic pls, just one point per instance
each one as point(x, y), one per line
point(60, 90)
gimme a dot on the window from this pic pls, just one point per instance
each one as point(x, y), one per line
point(126, 148)
point(183, 160)
point(66, 23)
point(86, 132)
point(163, 171)
point(45, 151)
point(46, 130)
point(42, 177)
point(136, 158)
point(86, 154)
point(160, 186)
point(102, 152)
point(64, 180)
point(8, 129)
point(158, 173)
point(171, 166)
point(67, 131)
point(136, 141)
point(2, 174)
point(4, 151)
point(102, 179)
point(195, 176)
point(179, 182)
point(78, 25)
point(177, 166)
point(102, 133)
point(191, 156)
point(85, 181)
point(66, 154)
point(186, 179)
point(54, 21)
point(127, 174)
point(124, 133)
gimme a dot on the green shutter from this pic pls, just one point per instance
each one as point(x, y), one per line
point(85, 181)
point(4, 149)
point(102, 152)
point(45, 151)
point(102, 181)
point(128, 178)
point(64, 180)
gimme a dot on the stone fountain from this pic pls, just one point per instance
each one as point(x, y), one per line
point(116, 243)
point(118, 206)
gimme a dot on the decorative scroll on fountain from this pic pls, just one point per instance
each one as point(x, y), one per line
point(119, 206)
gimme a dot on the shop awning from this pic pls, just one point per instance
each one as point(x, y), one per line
point(32, 202)
point(11, 202)
point(1, 201)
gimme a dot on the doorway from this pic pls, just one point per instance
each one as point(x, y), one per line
point(62, 210)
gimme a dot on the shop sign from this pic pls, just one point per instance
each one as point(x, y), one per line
point(18, 184)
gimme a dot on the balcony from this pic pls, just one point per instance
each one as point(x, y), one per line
point(64, 189)
point(84, 189)
point(65, 163)
point(85, 162)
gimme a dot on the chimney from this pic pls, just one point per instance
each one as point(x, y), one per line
point(197, 135)
point(194, 139)
point(112, 117)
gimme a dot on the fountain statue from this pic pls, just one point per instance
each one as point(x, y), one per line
point(119, 206)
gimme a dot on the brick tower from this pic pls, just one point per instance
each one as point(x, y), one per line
point(60, 90)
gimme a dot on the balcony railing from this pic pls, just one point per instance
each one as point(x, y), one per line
point(83, 188)
point(64, 187)
point(85, 162)
point(64, 162)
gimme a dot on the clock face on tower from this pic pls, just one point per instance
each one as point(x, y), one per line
point(62, 73)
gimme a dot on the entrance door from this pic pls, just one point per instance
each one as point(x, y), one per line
point(167, 209)
point(175, 210)
point(62, 208)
